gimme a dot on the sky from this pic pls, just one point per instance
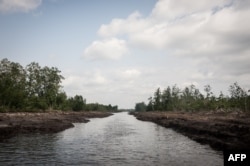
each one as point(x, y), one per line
point(119, 52)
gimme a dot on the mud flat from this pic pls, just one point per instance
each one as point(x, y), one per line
point(220, 130)
point(12, 124)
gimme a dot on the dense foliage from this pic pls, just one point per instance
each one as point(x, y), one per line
point(191, 99)
point(38, 88)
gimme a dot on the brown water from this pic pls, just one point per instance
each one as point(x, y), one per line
point(116, 140)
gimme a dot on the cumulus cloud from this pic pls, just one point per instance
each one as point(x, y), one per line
point(91, 78)
point(111, 48)
point(200, 23)
point(183, 42)
point(170, 9)
point(8, 6)
point(132, 24)
point(130, 74)
point(216, 32)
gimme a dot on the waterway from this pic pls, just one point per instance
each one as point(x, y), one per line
point(120, 139)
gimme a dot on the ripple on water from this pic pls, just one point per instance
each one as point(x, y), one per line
point(117, 140)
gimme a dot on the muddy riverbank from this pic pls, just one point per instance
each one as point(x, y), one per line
point(220, 130)
point(12, 124)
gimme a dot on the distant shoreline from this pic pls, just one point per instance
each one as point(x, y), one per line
point(222, 131)
point(12, 124)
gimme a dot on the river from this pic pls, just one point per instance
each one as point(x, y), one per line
point(120, 139)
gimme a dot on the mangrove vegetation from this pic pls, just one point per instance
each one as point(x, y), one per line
point(191, 99)
point(36, 88)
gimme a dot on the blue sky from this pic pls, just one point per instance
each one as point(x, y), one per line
point(118, 52)
point(59, 27)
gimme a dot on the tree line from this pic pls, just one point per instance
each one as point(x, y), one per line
point(191, 99)
point(34, 88)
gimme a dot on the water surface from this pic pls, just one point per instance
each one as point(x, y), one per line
point(116, 140)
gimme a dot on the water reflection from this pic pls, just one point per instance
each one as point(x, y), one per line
point(116, 140)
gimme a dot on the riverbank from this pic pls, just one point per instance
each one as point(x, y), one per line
point(218, 129)
point(12, 124)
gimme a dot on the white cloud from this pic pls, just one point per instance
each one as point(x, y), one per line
point(90, 78)
point(180, 42)
point(98, 79)
point(111, 48)
point(129, 74)
point(170, 9)
point(202, 26)
point(214, 33)
point(122, 87)
point(202, 76)
point(8, 6)
point(132, 24)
